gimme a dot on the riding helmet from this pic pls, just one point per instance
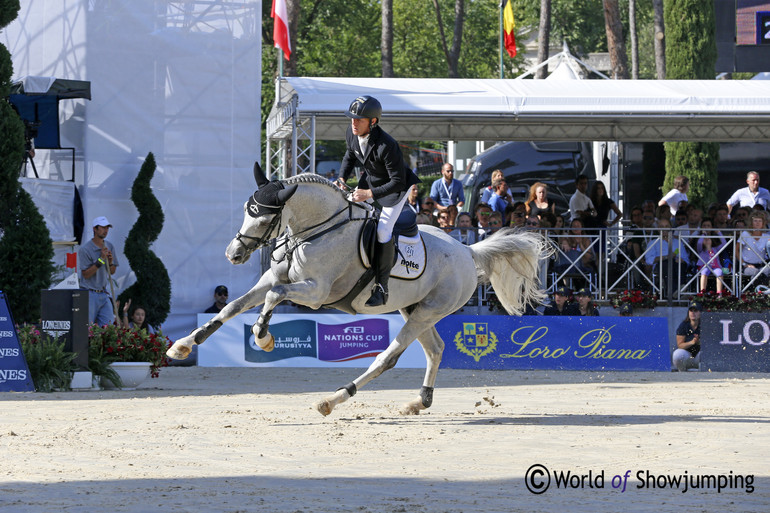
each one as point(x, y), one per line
point(365, 107)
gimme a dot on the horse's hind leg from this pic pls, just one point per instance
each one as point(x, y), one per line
point(434, 347)
point(384, 361)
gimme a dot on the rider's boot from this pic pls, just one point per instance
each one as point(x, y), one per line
point(384, 263)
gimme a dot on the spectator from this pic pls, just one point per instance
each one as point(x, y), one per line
point(425, 217)
point(220, 300)
point(648, 206)
point(577, 251)
point(580, 206)
point(444, 221)
point(740, 213)
point(662, 212)
point(516, 215)
point(585, 304)
point(677, 194)
point(680, 219)
point(709, 246)
point(495, 223)
point(721, 219)
point(429, 205)
point(138, 319)
point(98, 263)
point(497, 199)
point(532, 223)
point(660, 250)
point(751, 195)
point(537, 202)
point(413, 200)
point(447, 191)
point(483, 211)
point(687, 353)
point(549, 219)
point(604, 205)
point(464, 230)
point(488, 191)
point(752, 246)
point(560, 304)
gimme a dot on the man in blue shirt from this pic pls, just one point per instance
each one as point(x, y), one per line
point(497, 200)
point(447, 191)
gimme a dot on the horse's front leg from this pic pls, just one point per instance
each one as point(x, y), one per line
point(306, 292)
point(253, 298)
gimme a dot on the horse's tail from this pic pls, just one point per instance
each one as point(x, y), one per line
point(510, 261)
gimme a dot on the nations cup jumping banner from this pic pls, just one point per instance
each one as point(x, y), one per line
point(558, 343)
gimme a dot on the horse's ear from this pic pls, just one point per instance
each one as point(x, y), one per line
point(259, 175)
point(285, 194)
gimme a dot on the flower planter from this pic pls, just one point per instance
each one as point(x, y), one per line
point(132, 374)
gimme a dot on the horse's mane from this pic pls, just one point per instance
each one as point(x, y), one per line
point(313, 178)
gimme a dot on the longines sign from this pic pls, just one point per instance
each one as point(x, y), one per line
point(732, 341)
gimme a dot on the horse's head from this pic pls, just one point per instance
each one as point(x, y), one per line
point(261, 218)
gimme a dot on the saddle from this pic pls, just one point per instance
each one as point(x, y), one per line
point(409, 262)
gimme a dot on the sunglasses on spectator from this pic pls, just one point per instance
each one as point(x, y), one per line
point(648, 217)
point(494, 222)
point(518, 214)
point(532, 223)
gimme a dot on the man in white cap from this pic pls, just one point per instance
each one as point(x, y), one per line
point(97, 258)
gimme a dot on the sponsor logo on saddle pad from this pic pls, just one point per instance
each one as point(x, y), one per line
point(410, 262)
point(410, 258)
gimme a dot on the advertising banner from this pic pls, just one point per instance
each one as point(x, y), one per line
point(558, 343)
point(732, 341)
point(307, 340)
point(14, 373)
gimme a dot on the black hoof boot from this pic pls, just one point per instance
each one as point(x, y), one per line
point(379, 296)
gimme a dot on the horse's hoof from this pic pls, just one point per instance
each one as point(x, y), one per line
point(412, 408)
point(324, 407)
point(266, 344)
point(178, 352)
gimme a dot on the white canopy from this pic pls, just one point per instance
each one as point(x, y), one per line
point(587, 110)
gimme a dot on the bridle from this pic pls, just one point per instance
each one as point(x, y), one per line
point(267, 237)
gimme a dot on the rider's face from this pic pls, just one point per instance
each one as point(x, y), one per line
point(360, 126)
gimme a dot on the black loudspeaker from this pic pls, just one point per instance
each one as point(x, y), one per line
point(64, 314)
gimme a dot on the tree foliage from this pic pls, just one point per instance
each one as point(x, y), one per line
point(152, 289)
point(25, 243)
point(691, 54)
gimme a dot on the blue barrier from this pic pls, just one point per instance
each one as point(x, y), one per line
point(555, 343)
point(14, 373)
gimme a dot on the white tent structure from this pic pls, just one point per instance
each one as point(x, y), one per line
point(311, 109)
point(180, 79)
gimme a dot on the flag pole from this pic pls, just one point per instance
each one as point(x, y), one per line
point(501, 41)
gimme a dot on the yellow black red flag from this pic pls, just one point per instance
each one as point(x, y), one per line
point(509, 40)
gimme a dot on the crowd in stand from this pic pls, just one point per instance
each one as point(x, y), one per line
point(667, 237)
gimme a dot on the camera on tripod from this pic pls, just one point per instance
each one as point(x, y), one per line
point(30, 129)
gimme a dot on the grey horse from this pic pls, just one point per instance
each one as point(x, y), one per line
point(316, 263)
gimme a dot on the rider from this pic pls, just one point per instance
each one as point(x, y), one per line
point(385, 179)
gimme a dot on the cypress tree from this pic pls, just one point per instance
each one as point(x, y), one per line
point(26, 249)
point(691, 53)
point(152, 289)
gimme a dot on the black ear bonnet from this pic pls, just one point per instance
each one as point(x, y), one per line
point(265, 200)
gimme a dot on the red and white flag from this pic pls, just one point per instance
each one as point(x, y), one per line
point(280, 17)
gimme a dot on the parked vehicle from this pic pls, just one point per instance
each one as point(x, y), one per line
point(556, 164)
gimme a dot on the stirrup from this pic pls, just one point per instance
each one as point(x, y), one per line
point(379, 296)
